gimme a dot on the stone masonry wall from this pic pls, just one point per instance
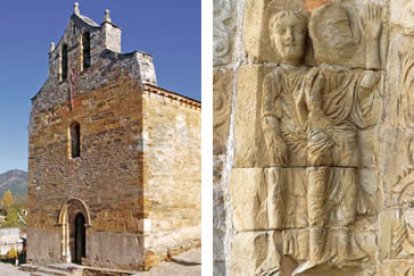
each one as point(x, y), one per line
point(172, 178)
point(107, 176)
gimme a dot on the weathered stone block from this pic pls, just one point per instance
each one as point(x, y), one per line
point(255, 253)
point(249, 193)
point(121, 250)
point(396, 268)
point(279, 198)
point(249, 89)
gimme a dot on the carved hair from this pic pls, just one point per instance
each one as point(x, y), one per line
point(276, 19)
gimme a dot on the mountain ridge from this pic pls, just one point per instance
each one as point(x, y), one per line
point(14, 180)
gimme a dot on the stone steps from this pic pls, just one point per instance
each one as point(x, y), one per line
point(51, 270)
point(92, 271)
point(73, 270)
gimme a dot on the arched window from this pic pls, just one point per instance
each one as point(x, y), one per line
point(86, 50)
point(64, 61)
point(75, 141)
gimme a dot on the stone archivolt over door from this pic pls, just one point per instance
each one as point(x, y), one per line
point(74, 221)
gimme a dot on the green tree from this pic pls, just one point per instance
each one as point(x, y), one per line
point(12, 219)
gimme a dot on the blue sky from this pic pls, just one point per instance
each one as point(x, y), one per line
point(169, 30)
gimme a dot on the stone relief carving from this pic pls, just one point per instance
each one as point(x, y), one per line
point(322, 181)
point(223, 31)
point(403, 188)
point(223, 90)
point(306, 176)
point(407, 85)
point(402, 14)
point(402, 183)
point(223, 87)
point(398, 233)
point(397, 268)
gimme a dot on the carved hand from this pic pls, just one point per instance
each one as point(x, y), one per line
point(371, 29)
point(372, 21)
point(314, 92)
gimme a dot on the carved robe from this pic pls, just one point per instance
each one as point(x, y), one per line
point(348, 102)
point(341, 101)
point(281, 90)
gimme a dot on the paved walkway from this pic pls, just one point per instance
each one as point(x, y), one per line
point(186, 264)
point(9, 270)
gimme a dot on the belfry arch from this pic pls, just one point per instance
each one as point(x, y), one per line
point(74, 222)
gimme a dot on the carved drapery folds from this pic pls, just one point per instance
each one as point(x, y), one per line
point(308, 94)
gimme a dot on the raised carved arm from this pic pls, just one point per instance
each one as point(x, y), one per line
point(367, 105)
point(371, 30)
point(313, 98)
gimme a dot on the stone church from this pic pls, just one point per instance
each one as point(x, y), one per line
point(114, 159)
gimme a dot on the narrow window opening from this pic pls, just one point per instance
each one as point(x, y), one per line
point(64, 62)
point(86, 47)
point(75, 140)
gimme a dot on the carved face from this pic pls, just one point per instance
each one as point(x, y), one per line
point(332, 37)
point(288, 35)
point(337, 35)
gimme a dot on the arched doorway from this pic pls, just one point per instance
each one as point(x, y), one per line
point(74, 221)
point(79, 242)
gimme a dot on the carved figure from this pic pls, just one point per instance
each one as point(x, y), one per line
point(334, 102)
point(310, 117)
point(280, 123)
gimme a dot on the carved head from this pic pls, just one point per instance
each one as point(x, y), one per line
point(331, 34)
point(288, 33)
